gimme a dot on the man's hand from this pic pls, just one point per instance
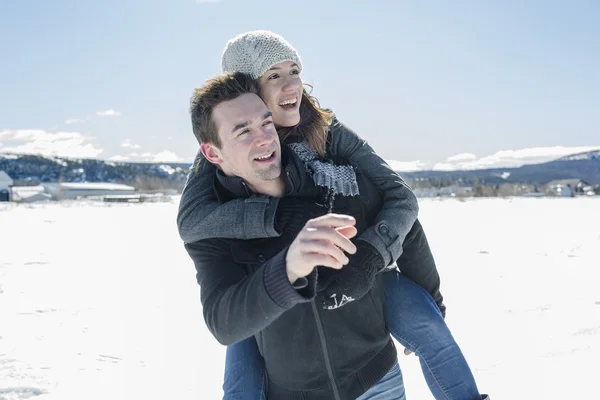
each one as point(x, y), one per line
point(322, 242)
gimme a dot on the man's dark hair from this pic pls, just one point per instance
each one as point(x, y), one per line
point(216, 90)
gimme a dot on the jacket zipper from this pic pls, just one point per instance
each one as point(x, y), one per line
point(336, 393)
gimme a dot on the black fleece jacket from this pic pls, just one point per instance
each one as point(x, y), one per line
point(310, 353)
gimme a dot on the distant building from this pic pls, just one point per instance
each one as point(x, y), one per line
point(5, 186)
point(566, 187)
point(29, 194)
point(76, 190)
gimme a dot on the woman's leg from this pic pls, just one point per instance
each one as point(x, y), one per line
point(245, 377)
point(416, 322)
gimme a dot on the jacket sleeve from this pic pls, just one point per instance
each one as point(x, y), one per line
point(417, 263)
point(237, 305)
point(400, 206)
point(200, 216)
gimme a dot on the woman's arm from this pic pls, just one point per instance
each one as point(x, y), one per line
point(394, 229)
point(201, 216)
point(400, 206)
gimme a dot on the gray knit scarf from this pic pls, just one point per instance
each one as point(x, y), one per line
point(339, 179)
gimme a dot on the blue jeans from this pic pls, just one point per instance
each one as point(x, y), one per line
point(416, 322)
point(245, 375)
point(413, 319)
point(390, 387)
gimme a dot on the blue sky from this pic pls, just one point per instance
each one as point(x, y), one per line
point(427, 83)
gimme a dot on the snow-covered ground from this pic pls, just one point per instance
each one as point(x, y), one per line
point(99, 301)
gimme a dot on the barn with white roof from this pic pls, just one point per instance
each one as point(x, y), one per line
point(75, 190)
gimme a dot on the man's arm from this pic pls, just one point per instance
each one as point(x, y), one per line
point(236, 305)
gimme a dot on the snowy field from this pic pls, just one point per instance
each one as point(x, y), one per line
point(99, 301)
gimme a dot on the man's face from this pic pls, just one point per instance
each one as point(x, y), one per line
point(250, 145)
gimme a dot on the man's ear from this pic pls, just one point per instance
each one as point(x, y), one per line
point(211, 153)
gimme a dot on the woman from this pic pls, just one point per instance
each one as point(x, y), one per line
point(414, 315)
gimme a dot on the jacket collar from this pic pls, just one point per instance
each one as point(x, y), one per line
point(297, 180)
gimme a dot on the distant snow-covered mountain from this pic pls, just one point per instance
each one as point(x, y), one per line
point(33, 169)
point(590, 155)
point(585, 166)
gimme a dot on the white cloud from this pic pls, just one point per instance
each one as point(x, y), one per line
point(517, 158)
point(500, 159)
point(119, 158)
point(74, 121)
point(444, 167)
point(129, 145)
point(166, 156)
point(108, 113)
point(406, 166)
point(462, 157)
point(163, 156)
point(38, 141)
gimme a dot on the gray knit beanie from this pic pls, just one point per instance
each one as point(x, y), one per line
point(255, 52)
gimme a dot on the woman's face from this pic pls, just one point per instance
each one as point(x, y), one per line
point(281, 90)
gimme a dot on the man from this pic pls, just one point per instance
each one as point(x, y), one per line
point(265, 287)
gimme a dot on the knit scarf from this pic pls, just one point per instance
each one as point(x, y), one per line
point(339, 179)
